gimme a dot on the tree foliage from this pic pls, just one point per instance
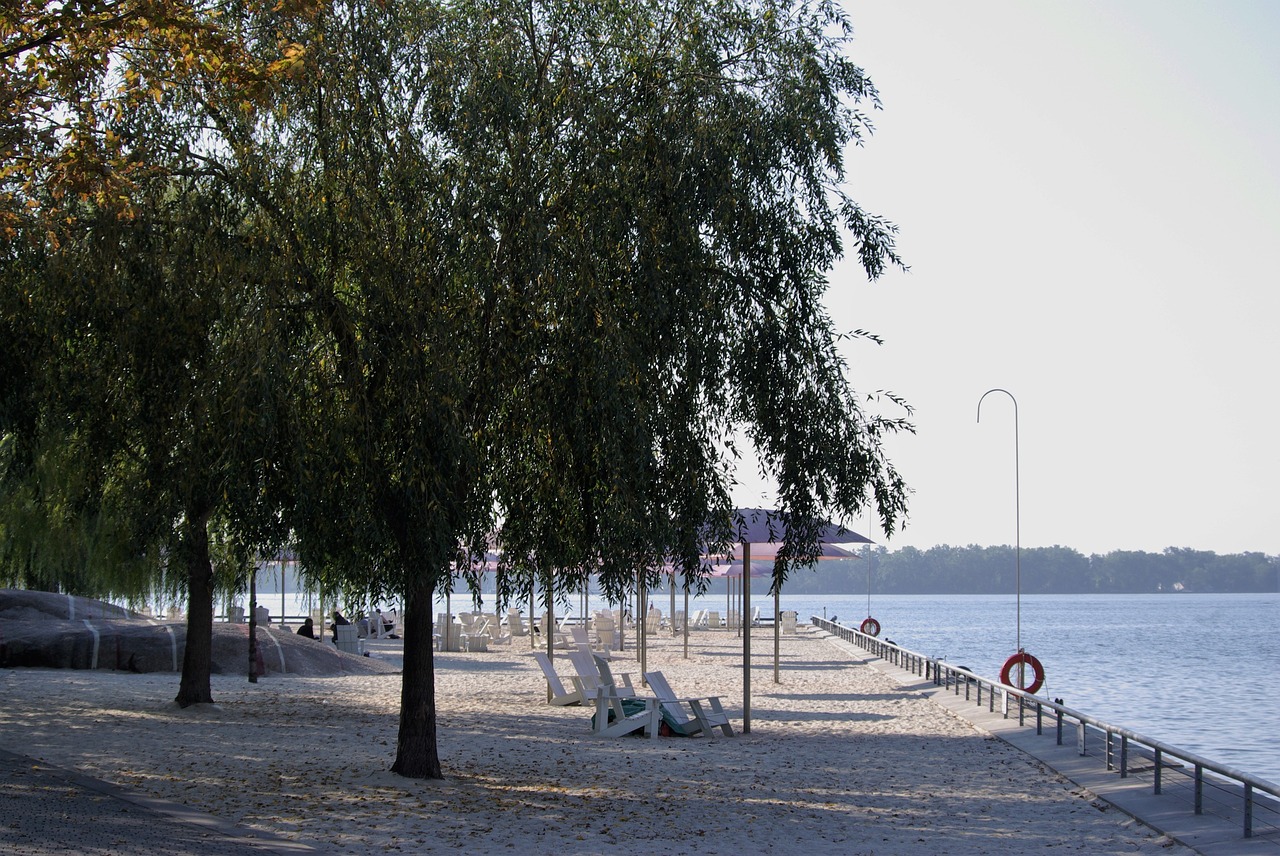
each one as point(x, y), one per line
point(973, 569)
point(544, 267)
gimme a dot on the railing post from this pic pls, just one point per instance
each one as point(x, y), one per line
point(1199, 789)
point(1022, 706)
point(1248, 810)
point(1039, 719)
point(1159, 768)
point(1081, 738)
point(1059, 726)
point(1111, 740)
point(1124, 756)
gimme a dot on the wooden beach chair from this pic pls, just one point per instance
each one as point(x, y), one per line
point(617, 715)
point(582, 639)
point(559, 695)
point(515, 623)
point(788, 621)
point(653, 621)
point(703, 719)
point(606, 631)
point(346, 638)
point(593, 672)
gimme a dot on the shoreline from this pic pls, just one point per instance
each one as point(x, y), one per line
point(840, 759)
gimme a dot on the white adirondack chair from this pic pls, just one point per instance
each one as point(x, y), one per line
point(559, 695)
point(515, 623)
point(653, 621)
point(612, 720)
point(788, 621)
point(346, 638)
point(593, 673)
point(703, 719)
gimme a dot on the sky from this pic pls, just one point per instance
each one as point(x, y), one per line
point(1088, 197)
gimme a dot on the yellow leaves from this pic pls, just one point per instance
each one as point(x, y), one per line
point(290, 63)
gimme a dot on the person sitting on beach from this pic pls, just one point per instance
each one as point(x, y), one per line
point(338, 619)
point(387, 621)
point(308, 628)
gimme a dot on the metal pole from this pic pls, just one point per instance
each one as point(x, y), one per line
point(672, 583)
point(686, 614)
point(1017, 524)
point(777, 634)
point(746, 641)
point(253, 625)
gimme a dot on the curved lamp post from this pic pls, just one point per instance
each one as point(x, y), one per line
point(1017, 527)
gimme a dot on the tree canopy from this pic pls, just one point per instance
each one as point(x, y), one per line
point(972, 569)
point(518, 273)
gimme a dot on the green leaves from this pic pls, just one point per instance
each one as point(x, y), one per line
point(512, 271)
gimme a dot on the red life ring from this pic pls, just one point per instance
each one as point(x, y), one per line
point(1006, 674)
point(870, 626)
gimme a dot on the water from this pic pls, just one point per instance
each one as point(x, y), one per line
point(1196, 671)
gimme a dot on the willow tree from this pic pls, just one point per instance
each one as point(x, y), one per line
point(560, 256)
point(151, 383)
point(164, 380)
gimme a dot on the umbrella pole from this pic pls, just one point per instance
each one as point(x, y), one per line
point(777, 634)
point(549, 596)
point(533, 637)
point(686, 614)
point(746, 641)
point(728, 600)
point(672, 583)
point(642, 638)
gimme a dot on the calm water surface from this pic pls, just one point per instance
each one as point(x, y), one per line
point(1198, 671)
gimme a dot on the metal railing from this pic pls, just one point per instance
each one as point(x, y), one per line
point(1211, 788)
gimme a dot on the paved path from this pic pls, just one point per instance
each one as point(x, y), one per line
point(49, 810)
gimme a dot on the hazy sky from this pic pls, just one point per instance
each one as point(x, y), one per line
point(1089, 200)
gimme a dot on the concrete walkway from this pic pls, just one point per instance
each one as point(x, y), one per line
point(1172, 813)
point(50, 810)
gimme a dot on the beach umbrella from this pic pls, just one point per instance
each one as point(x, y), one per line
point(764, 527)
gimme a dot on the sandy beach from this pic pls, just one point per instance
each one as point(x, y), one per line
point(840, 759)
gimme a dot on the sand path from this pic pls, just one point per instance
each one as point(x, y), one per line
point(840, 760)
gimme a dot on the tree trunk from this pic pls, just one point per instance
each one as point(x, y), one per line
point(417, 754)
point(198, 655)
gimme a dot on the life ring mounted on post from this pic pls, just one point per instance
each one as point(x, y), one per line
point(870, 626)
point(1023, 658)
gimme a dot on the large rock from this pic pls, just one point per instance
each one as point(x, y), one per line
point(60, 631)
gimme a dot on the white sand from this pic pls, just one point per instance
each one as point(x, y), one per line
point(839, 760)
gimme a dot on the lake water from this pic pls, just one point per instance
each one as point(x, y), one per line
point(1197, 671)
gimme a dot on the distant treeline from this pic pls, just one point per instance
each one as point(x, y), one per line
point(1045, 570)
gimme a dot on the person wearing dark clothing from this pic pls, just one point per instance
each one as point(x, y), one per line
point(308, 628)
point(338, 619)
